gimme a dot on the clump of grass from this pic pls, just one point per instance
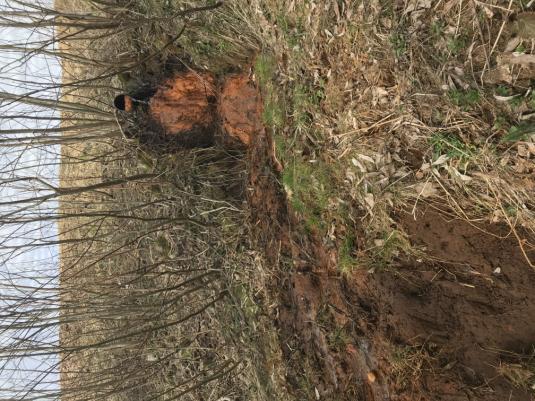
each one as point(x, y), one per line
point(465, 99)
point(437, 29)
point(304, 101)
point(452, 146)
point(309, 188)
point(407, 364)
point(264, 68)
point(520, 132)
point(391, 246)
point(338, 338)
point(292, 28)
point(520, 370)
point(346, 260)
point(273, 113)
point(399, 44)
point(520, 376)
point(456, 45)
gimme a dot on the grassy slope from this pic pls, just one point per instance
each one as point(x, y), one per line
point(376, 107)
point(391, 107)
point(388, 107)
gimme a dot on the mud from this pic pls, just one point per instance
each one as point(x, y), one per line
point(453, 318)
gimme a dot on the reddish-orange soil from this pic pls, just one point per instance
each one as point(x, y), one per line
point(240, 108)
point(432, 330)
point(191, 109)
point(185, 102)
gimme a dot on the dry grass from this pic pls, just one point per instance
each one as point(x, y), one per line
point(375, 107)
point(408, 364)
point(390, 107)
point(107, 270)
point(519, 369)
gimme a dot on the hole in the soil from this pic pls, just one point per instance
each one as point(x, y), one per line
point(120, 102)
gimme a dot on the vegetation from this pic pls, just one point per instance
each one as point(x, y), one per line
point(373, 109)
point(149, 301)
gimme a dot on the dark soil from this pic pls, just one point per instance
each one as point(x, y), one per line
point(437, 329)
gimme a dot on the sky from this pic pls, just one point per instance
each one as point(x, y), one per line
point(28, 265)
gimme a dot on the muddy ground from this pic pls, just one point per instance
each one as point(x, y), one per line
point(444, 327)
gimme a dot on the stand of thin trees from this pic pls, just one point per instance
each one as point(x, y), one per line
point(111, 268)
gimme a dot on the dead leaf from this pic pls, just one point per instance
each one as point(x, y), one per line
point(425, 189)
point(359, 165)
point(488, 12)
point(504, 99)
point(524, 25)
point(512, 44)
point(441, 160)
point(515, 59)
point(523, 150)
point(366, 158)
point(370, 200)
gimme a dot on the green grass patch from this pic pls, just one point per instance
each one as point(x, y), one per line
point(456, 45)
point(264, 68)
point(520, 132)
point(465, 99)
point(338, 338)
point(292, 28)
point(309, 187)
point(346, 260)
point(399, 44)
point(273, 114)
point(389, 247)
point(452, 146)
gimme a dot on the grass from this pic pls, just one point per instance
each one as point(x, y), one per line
point(519, 370)
point(309, 190)
point(465, 99)
point(346, 259)
point(451, 146)
point(347, 102)
point(520, 375)
point(399, 44)
point(456, 45)
point(520, 132)
point(273, 112)
point(408, 363)
point(338, 338)
point(391, 246)
point(235, 330)
point(326, 109)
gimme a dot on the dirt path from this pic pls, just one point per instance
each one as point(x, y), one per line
point(450, 327)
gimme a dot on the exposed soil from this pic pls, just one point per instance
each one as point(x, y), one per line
point(194, 109)
point(185, 105)
point(240, 108)
point(436, 329)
